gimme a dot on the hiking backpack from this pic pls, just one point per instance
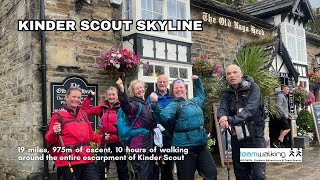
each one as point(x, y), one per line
point(125, 131)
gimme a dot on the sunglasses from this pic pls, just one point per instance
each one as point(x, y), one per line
point(179, 81)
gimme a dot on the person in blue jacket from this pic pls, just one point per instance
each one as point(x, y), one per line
point(189, 132)
point(164, 98)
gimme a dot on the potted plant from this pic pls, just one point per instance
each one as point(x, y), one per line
point(255, 61)
point(305, 127)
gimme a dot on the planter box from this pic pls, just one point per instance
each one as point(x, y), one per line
point(301, 142)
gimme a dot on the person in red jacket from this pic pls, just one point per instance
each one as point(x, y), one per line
point(108, 124)
point(70, 134)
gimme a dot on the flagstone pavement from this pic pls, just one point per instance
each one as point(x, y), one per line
point(308, 169)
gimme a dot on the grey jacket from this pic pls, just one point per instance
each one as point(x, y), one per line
point(282, 101)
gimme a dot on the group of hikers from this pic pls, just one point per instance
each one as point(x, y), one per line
point(181, 122)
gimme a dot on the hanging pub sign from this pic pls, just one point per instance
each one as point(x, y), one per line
point(226, 22)
point(58, 91)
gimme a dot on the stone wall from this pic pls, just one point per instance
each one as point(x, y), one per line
point(20, 116)
point(219, 42)
point(68, 54)
point(313, 49)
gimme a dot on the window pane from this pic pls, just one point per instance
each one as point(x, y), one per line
point(147, 70)
point(147, 4)
point(172, 6)
point(150, 89)
point(301, 50)
point(292, 47)
point(157, 6)
point(290, 29)
point(174, 24)
point(146, 15)
point(157, 16)
point(173, 72)
point(181, 10)
point(159, 70)
point(182, 33)
point(183, 73)
point(300, 32)
point(128, 5)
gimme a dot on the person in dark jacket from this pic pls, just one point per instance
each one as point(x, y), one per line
point(141, 143)
point(164, 98)
point(108, 124)
point(76, 133)
point(285, 116)
point(241, 105)
point(189, 132)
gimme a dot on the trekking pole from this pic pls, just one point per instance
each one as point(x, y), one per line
point(105, 162)
point(227, 151)
point(69, 160)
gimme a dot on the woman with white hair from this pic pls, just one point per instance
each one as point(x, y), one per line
point(141, 143)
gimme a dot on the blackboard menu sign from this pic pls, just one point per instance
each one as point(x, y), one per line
point(58, 91)
point(315, 110)
point(221, 138)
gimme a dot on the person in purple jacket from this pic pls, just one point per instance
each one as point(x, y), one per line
point(142, 143)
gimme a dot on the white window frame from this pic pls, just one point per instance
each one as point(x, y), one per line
point(137, 15)
point(167, 65)
point(305, 83)
point(299, 56)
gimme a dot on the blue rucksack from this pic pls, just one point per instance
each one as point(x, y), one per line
point(125, 131)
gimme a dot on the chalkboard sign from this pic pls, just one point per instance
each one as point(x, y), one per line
point(58, 91)
point(221, 138)
point(315, 109)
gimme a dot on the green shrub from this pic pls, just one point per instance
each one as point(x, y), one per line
point(305, 121)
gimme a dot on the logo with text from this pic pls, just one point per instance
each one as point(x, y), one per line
point(270, 155)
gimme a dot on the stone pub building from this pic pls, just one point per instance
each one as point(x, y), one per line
point(38, 66)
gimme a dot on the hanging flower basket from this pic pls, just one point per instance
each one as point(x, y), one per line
point(300, 95)
point(205, 67)
point(314, 79)
point(118, 61)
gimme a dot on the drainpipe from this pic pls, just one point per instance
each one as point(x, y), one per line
point(42, 68)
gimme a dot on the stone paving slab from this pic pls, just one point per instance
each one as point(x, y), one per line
point(308, 169)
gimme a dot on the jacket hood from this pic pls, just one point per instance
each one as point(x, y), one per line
point(279, 92)
point(116, 105)
point(248, 78)
point(244, 85)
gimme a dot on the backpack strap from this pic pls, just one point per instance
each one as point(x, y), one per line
point(85, 117)
point(60, 121)
point(104, 109)
point(138, 114)
point(179, 110)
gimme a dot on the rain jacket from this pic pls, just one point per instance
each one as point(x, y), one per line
point(189, 125)
point(108, 114)
point(76, 133)
point(130, 107)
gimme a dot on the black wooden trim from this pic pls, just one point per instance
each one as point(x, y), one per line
point(177, 52)
point(283, 52)
point(138, 46)
point(162, 60)
point(154, 49)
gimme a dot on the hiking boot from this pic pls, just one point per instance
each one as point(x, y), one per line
point(282, 145)
point(277, 144)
